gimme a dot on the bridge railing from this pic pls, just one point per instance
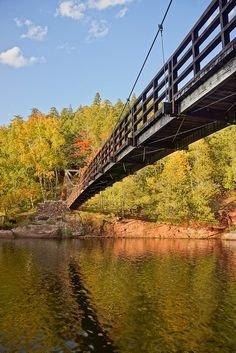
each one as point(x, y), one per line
point(212, 34)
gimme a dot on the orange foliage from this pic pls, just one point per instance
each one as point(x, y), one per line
point(83, 146)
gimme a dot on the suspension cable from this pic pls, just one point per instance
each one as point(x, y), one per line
point(160, 26)
point(178, 130)
point(182, 132)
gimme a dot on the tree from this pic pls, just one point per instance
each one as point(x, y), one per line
point(203, 187)
point(53, 113)
point(97, 99)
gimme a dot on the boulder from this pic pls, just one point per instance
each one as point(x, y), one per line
point(38, 231)
point(6, 233)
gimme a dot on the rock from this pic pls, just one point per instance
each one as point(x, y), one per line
point(50, 210)
point(38, 231)
point(71, 345)
point(229, 236)
point(83, 333)
point(42, 218)
point(6, 234)
point(77, 234)
point(94, 225)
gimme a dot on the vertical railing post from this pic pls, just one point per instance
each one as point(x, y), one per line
point(144, 108)
point(113, 147)
point(172, 85)
point(195, 52)
point(225, 38)
point(133, 125)
point(170, 81)
point(155, 94)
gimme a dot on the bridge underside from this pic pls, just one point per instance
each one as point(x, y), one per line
point(207, 109)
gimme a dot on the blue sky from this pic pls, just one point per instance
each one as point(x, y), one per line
point(60, 53)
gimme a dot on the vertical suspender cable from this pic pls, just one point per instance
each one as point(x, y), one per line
point(146, 58)
point(164, 63)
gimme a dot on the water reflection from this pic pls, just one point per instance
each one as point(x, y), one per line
point(144, 295)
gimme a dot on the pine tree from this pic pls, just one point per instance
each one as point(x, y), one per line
point(97, 99)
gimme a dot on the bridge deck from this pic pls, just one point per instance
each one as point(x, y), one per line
point(192, 96)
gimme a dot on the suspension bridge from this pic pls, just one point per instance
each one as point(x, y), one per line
point(192, 96)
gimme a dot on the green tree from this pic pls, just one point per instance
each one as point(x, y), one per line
point(203, 187)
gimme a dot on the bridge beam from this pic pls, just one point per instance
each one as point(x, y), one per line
point(217, 79)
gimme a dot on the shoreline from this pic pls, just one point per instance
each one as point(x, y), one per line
point(100, 225)
point(229, 236)
point(85, 225)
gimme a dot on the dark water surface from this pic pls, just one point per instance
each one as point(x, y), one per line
point(129, 296)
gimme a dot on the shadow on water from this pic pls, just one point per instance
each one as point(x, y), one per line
point(94, 336)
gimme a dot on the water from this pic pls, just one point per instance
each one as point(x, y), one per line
point(129, 296)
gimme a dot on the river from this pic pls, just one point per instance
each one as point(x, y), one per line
point(123, 295)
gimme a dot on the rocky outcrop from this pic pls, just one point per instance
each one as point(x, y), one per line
point(53, 210)
point(49, 222)
point(6, 233)
point(142, 229)
point(133, 228)
point(37, 231)
point(137, 228)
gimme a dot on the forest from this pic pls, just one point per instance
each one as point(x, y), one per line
point(187, 186)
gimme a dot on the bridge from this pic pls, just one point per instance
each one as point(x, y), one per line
point(192, 96)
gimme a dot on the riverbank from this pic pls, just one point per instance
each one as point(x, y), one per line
point(107, 226)
point(96, 224)
point(85, 224)
point(52, 220)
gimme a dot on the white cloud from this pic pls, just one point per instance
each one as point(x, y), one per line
point(104, 4)
point(80, 10)
point(34, 32)
point(66, 47)
point(71, 8)
point(76, 9)
point(15, 58)
point(122, 12)
point(18, 22)
point(98, 29)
